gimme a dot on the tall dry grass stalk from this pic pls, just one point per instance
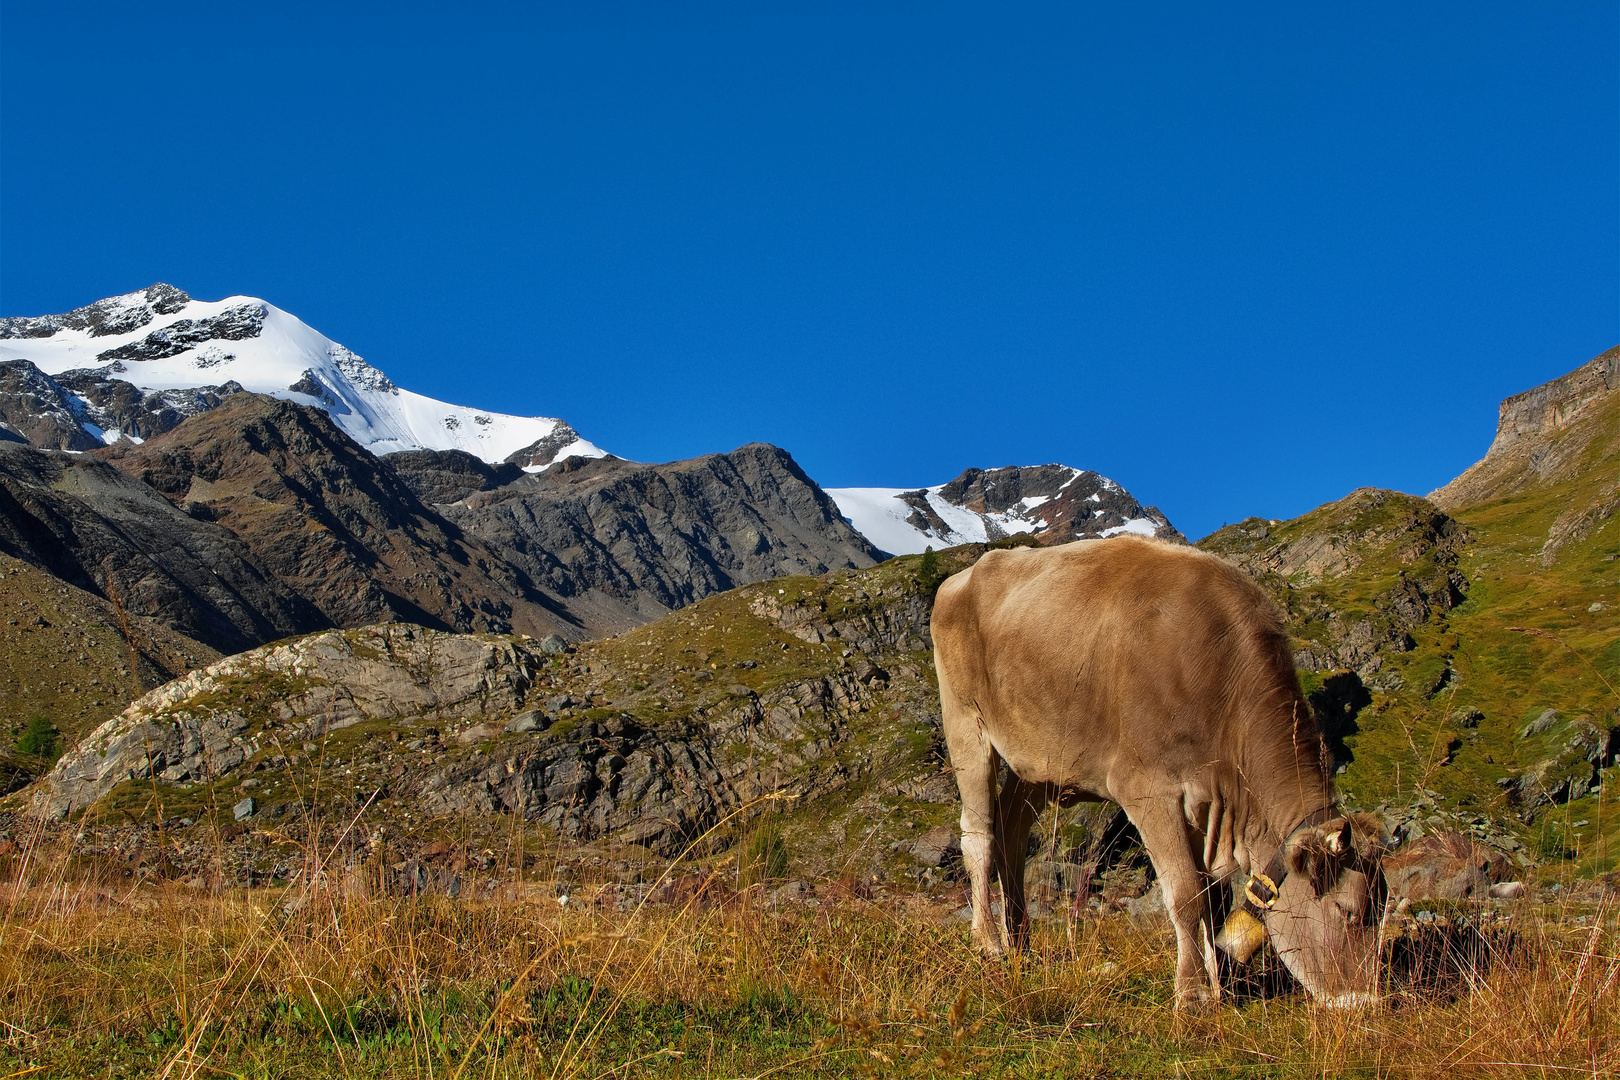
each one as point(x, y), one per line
point(332, 979)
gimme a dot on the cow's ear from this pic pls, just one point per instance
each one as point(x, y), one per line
point(1304, 853)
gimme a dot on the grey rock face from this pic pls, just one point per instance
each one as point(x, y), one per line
point(447, 476)
point(330, 521)
point(657, 537)
point(321, 683)
point(72, 410)
point(657, 787)
point(1575, 767)
point(937, 846)
point(1544, 722)
point(115, 404)
point(1540, 439)
point(39, 411)
point(525, 722)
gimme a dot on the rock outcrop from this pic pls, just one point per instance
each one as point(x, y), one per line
point(105, 318)
point(38, 410)
point(447, 476)
point(645, 739)
point(1403, 547)
point(116, 406)
point(84, 410)
point(208, 723)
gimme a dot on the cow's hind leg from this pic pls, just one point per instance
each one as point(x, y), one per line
point(1171, 847)
point(976, 763)
point(1016, 810)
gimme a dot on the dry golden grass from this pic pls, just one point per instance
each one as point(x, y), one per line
point(325, 980)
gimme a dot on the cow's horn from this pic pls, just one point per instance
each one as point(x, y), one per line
point(1339, 842)
point(1242, 936)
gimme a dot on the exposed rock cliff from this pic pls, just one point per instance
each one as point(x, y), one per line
point(208, 723)
point(37, 410)
point(655, 537)
point(1545, 434)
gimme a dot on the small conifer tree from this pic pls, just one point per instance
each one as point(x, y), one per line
point(38, 738)
point(929, 575)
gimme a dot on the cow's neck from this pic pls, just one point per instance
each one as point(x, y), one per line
point(1282, 775)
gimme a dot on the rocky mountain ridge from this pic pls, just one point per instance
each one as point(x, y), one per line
point(1543, 434)
point(809, 699)
point(259, 518)
point(131, 367)
point(662, 536)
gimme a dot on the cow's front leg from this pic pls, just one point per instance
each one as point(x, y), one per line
point(1169, 845)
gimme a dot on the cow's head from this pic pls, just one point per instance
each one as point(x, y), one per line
point(1323, 920)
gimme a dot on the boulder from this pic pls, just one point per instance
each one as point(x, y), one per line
point(1443, 866)
point(1148, 911)
point(524, 722)
point(937, 846)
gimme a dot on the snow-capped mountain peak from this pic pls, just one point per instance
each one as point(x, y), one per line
point(161, 339)
point(1053, 502)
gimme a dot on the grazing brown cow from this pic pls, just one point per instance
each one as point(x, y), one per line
point(1158, 677)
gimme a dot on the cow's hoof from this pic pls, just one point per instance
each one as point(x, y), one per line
point(1195, 999)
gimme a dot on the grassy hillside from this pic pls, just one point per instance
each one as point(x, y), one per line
point(1436, 643)
point(71, 660)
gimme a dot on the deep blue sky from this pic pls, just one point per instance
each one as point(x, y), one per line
point(1242, 261)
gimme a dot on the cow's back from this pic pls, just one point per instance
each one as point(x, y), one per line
point(1088, 657)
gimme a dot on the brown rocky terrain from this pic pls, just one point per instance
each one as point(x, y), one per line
point(813, 691)
point(96, 528)
point(332, 523)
